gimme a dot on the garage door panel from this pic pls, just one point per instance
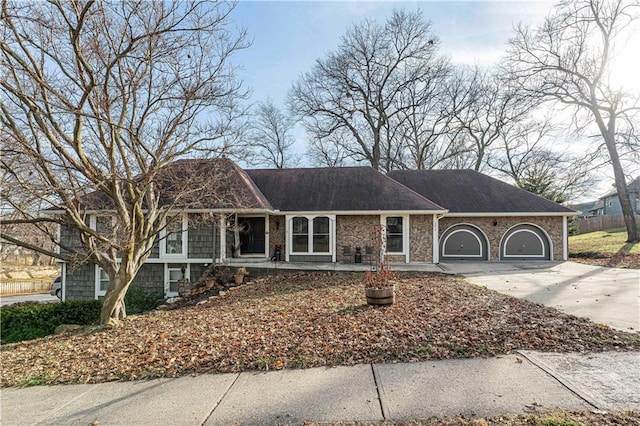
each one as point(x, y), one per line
point(463, 243)
point(525, 243)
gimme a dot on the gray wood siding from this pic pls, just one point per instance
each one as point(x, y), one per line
point(80, 282)
point(150, 277)
point(204, 242)
point(70, 237)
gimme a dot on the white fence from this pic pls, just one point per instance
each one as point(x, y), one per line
point(23, 287)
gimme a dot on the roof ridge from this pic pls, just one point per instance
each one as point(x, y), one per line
point(306, 168)
point(251, 185)
point(409, 189)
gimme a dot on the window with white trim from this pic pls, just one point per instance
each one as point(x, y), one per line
point(300, 235)
point(395, 234)
point(174, 273)
point(173, 241)
point(311, 234)
point(321, 234)
point(101, 281)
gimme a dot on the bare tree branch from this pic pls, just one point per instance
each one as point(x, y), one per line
point(568, 60)
point(99, 96)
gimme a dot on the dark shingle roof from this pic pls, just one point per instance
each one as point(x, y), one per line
point(597, 205)
point(468, 191)
point(197, 184)
point(337, 189)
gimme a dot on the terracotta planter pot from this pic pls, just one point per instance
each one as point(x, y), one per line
point(380, 296)
point(239, 278)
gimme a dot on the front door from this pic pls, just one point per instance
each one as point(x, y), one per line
point(252, 236)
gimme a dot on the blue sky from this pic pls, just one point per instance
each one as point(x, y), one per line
point(288, 36)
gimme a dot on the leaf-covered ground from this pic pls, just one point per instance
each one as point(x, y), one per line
point(609, 260)
point(562, 418)
point(307, 320)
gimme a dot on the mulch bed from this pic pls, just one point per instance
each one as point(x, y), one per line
point(307, 320)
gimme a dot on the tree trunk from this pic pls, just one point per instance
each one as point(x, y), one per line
point(113, 307)
point(621, 188)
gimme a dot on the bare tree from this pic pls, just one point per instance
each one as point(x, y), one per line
point(531, 155)
point(97, 100)
point(568, 60)
point(356, 89)
point(485, 105)
point(271, 136)
point(330, 151)
point(426, 127)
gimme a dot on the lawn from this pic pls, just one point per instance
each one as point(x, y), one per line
point(306, 320)
point(605, 248)
point(609, 241)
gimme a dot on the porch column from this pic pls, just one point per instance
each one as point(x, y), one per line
point(565, 239)
point(435, 239)
point(223, 238)
point(287, 233)
point(63, 282)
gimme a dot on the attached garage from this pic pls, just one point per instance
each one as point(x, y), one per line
point(463, 242)
point(525, 242)
point(513, 224)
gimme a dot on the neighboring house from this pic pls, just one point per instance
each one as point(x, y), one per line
point(326, 214)
point(583, 209)
point(609, 205)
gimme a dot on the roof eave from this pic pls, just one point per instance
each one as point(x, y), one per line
point(360, 212)
point(504, 214)
point(217, 210)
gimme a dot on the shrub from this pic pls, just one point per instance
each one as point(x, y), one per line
point(30, 321)
point(139, 300)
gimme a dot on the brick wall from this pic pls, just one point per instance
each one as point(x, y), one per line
point(352, 232)
point(421, 238)
point(277, 226)
point(552, 225)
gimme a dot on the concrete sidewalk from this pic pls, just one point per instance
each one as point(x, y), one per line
point(522, 383)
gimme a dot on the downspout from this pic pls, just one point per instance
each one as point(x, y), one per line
point(436, 238)
point(565, 238)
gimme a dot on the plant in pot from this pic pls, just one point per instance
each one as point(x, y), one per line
point(239, 275)
point(379, 282)
point(379, 286)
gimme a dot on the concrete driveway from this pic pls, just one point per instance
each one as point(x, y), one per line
point(608, 296)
